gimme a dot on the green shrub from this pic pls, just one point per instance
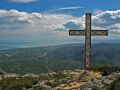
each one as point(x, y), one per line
point(115, 85)
point(14, 86)
point(105, 69)
point(17, 84)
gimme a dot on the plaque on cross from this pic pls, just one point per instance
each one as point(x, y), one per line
point(88, 33)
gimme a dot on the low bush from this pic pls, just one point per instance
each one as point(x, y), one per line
point(105, 69)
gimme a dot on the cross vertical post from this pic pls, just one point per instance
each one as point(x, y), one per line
point(88, 40)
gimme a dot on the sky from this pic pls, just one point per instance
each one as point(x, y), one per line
point(47, 22)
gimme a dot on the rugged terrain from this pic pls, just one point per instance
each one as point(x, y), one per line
point(64, 80)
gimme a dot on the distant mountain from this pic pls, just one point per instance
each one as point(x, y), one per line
point(55, 58)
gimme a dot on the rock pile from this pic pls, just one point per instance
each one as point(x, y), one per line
point(100, 84)
point(73, 81)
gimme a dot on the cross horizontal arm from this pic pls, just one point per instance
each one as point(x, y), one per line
point(93, 32)
point(99, 32)
point(77, 32)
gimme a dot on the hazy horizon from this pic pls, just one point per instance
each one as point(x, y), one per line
point(29, 44)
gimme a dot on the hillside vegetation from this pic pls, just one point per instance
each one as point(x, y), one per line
point(56, 58)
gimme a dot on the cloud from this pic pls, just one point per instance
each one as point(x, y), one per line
point(63, 22)
point(15, 25)
point(46, 21)
point(108, 20)
point(103, 20)
point(50, 26)
point(23, 1)
point(13, 19)
point(65, 8)
point(98, 11)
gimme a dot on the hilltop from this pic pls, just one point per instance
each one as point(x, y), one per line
point(65, 80)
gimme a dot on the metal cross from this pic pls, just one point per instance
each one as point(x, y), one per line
point(88, 33)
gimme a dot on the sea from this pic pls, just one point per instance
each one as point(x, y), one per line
point(27, 44)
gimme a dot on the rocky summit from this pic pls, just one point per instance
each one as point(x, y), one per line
point(65, 80)
point(101, 84)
